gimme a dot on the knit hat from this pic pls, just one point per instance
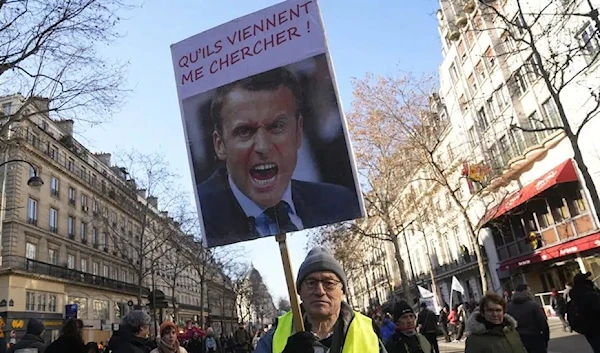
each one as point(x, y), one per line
point(167, 325)
point(401, 308)
point(35, 327)
point(320, 259)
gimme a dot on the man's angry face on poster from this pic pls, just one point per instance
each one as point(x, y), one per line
point(259, 136)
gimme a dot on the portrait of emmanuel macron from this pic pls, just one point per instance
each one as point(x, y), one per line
point(257, 127)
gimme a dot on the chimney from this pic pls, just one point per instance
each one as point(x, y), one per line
point(43, 105)
point(66, 126)
point(141, 193)
point(104, 158)
point(164, 213)
point(153, 201)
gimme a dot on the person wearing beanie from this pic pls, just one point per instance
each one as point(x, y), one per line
point(168, 339)
point(406, 339)
point(32, 338)
point(330, 324)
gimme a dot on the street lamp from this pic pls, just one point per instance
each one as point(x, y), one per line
point(35, 181)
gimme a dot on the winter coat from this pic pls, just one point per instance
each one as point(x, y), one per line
point(29, 341)
point(130, 343)
point(530, 316)
point(427, 320)
point(387, 329)
point(396, 344)
point(195, 345)
point(67, 343)
point(500, 339)
point(587, 298)
point(559, 304)
point(157, 350)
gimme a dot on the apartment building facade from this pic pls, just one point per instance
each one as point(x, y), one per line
point(544, 230)
point(58, 242)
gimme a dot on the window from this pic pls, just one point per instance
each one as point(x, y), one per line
point(490, 58)
point(71, 164)
point(52, 302)
point(84, 173)
point(105, 271)
point(95, 206)
point(41, 301)
point(84, 203)
point(95, 236)
point(462, 51)
point(7, 108)
point(533, 68)
point(482, 119)
point(30, 251)
point(71, 261)
point(105, 241)
point(550, 114)
point(83, 232)
point(53, 220)
point(54, 184)
point(472, 83)
point(32, 172)
point(83, 265)
point(32, 212)
point(72, 196)
point(95, 267)
point(481, 73)
point(453, 73)
point(52, 256)
point(101, 311)
point(71, 227)
point(462, 101)
point(500, 97)
point(53, 152)
point(94, 180)
point(471, 136)
point(518, 83)
point(30, 301)
point(590, 41)
point(519, 21)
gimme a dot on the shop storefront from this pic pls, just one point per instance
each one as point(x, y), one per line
point(545, 232)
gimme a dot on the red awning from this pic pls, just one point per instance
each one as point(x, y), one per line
point(562, 173)
point(554, 252)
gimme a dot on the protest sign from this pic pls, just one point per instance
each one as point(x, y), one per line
point(266, 136)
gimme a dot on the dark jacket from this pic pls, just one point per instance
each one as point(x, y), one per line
point(427, 320)
point(67, 343)
point(586, 297)
point(194, 345)
point(398, 343)
point(265, 345)
point(559, 304)
point(129, 343)
point(316, 204)
point(499, 339)
point(29, 341)
point(530, 316)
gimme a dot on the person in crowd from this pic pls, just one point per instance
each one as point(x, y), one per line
point(32, 338)
point(168, 342)
point(194, 345)
point(242, 340)
point(132, 335)
point(443, 322)
point(223, 342)
point(583, 310)
point(330, 323)
point(460, 322)
point(406, 339)
point(92, 347)
point(559, 304)
point(101, 346)
point(70, 340)
point(427, 322)
point(387, 327)
point(256, 339)
point(453, 321)
point(532, 321)
point(211, 344)
point(491, 329)
point(230, 345)
point(508, 296)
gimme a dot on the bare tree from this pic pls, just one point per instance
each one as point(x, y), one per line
point(260, 300)
point(283, 304)
point(50, 56)
point(558, 43)
point(175, 266)
point(421, 127)
point(142, 231)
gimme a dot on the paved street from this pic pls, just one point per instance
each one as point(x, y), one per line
point(560, 342)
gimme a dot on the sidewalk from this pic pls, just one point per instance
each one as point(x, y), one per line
point(560, 341)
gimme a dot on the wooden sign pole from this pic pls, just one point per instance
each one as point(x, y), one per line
point(291, 284)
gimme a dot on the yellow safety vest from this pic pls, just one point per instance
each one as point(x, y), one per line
point(360, 337)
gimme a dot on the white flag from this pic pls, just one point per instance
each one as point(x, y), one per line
point(424, 292)
point(457, 286)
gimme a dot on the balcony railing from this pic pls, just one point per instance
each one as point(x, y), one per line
point(42, 268)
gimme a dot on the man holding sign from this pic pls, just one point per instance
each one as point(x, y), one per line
point(331, 324)
point(258, 128)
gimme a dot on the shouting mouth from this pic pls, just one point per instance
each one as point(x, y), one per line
point(264, 175)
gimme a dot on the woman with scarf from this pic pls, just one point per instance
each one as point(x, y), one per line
point(168, 342)
point(406, 339)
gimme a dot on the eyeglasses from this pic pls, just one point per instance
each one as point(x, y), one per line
point(328, 284)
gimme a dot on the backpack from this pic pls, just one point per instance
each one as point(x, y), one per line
point(577, 317)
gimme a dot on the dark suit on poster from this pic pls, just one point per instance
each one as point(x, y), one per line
point(225, 222)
